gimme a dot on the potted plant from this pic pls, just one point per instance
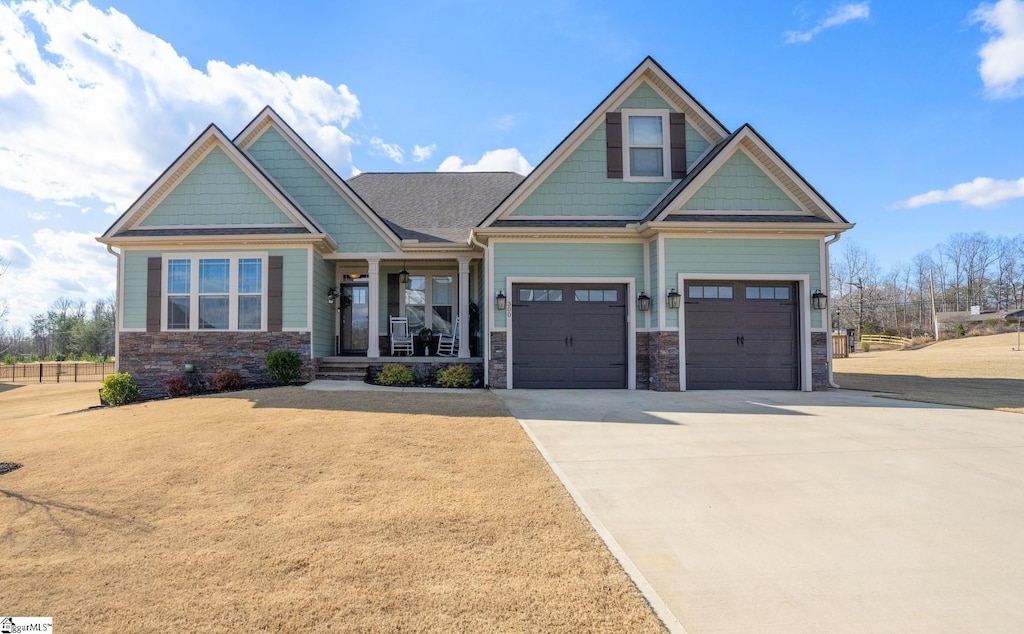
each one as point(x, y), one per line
point(425, 336)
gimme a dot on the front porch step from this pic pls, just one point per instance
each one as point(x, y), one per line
point(342, 370)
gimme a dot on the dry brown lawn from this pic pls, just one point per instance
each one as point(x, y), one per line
point(981, 372)
point(292, 510)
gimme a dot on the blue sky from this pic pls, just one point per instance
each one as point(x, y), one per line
point(907, 116)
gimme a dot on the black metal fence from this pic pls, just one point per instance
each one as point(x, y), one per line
point(55, 372)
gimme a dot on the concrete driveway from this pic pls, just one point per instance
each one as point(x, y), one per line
point(797, 512)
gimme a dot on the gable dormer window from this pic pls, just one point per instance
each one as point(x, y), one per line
point(646, 145)
point(646, 152)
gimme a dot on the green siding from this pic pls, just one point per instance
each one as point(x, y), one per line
point(134, 289)
point(294, 291)
point(216, 192)
point(695, 145)
point(740, 185)
point(643, 96)
point(743, 258)
point(323, 313)
point(580, 186)
point(561, 259)
point(315, 195)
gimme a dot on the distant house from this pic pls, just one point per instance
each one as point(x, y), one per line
point(653, 248)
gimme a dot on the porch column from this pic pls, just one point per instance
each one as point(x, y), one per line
point(464, 308)
point(373, 347)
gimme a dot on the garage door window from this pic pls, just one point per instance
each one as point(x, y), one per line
point(767, 292)
point(596, 295)
point(540, 295)
point(710, 292)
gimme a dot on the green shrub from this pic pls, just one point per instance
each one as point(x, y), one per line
point(960, 330)
point(228, 380)
point(119, 389)
point(284, 366)
point(176, 386)
point(455, 376)
point(865, 346)
point(394, 374)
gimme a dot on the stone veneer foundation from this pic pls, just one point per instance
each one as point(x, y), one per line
point(497, 365)
point(153, 357)
point(819, 360)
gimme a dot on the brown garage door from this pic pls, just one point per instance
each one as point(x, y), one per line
point(569, 336)
point(741, 335)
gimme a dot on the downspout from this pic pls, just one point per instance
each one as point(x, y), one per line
point(485, 298)
point(117, 310)
point(828, 311)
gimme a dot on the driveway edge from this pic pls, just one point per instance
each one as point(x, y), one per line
point(659, 606)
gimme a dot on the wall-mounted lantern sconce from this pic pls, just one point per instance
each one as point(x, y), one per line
point(643, 302)
point(403, 275)
point(499, 301)
point(674, 298)
point(332, 294)
point(819, 300)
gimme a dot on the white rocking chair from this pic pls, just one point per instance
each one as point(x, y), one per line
point(448, 345)
point(401, 340)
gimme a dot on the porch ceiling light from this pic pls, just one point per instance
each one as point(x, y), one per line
point(674, 298)
point(332, 294)
point(643, 302)
point(499, 301)
point(403, 275)
point(819, 300)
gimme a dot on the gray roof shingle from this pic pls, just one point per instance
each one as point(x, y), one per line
point(434, 206)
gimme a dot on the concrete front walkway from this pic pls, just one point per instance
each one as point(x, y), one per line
point(798, 512)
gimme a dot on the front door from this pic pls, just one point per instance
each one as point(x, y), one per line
point(355, 318)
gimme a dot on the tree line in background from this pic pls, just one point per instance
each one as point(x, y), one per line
point(967, 270)
point(69, 330)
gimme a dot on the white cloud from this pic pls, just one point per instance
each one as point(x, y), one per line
point(55, 264)
point(507, 160)
point(391, 150)
point(97, 107)
point(421, 153)
point(38, 217)
point(1002, 57)
point(839, 16)
point(506, 122)
point(980, 192)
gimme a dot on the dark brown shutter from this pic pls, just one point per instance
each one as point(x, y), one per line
point(153, 279)
point(677, 135)
point(393, 299)
point(613, 136)
point(275, 294)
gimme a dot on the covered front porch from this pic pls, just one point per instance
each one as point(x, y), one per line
point(438, 297)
